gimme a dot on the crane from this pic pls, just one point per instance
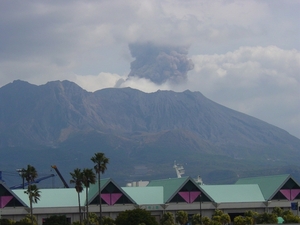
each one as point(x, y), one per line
point(34, 182)
point(60, 176)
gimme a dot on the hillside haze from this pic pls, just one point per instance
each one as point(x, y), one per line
point(142, 134)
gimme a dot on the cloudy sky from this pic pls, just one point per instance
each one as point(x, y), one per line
point(242, 54)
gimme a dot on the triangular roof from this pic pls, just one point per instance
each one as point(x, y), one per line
point(234, 193)
point(173, 186)
point(93, 190)
point(111, 193)
point(271, 185)
point(9, 198)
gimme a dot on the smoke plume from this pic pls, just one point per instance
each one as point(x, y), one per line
point(160, 63)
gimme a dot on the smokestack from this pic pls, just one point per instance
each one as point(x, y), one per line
point(160, 63)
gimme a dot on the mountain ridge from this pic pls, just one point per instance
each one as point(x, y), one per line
point(137, 126)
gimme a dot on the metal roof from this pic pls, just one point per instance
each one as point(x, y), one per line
point(170, 186)
point(234, 193)
point(146, 195)
point(93, 190)
point(57, 197)
point(269, 185)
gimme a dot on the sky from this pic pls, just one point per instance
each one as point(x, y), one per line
point(243, 54)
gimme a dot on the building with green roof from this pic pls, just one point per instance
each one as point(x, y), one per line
point(260, 194)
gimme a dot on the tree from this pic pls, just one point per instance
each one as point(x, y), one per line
point(134, 217)
point(219, 217)
point(57, 220)
point(93, 219)
point(266, 218)
point(225, 218)
point(277, 211)
point(34, 196)
point(196, 219)
point(205, 220)
point(27, 220)
point(5, 222)
point(181, 217)
point(107, 221)
point(88, 177)
point(289, 217)
point(77, 180)
point(167, 219)
point(239, 220)
point(29, 175)
point(251, 216)
point(100, 166)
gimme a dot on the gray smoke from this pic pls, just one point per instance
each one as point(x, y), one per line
point(160, 63)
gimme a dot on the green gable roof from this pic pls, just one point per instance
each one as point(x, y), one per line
point(146, 195)
point(93, 190)
point(110, 187)
point(170, 186)
point(268, 185)
point(234, 193)
point(56, 197)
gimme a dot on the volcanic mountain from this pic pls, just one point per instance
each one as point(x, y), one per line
point(141, 133)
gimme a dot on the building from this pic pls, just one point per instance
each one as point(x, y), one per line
point(260, 194)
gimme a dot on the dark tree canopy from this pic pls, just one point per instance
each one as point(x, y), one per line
point(135, 216)
point(56, 220)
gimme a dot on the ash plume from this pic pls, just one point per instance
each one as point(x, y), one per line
point(160, 63)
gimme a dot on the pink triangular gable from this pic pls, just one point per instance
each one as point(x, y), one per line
point(189, 197)
point(294, 193)
point(4, 200)
point(106, 198)
point(115, 197)
point(286, 193)
point(185, 195)
point(194, 195)
point(111, 199)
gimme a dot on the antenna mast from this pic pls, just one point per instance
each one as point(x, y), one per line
point(179, 169)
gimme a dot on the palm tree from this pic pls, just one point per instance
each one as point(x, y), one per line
point(100, 166)
point(34, 196)
point(77, 180)
point(88, 177)
point(29, 175)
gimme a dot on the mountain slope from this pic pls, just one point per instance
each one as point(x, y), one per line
point(139, 128)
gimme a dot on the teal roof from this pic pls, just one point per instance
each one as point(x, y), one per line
point(170, 186)
point(93, 190)
point(57, 197)
point(234, 193)
point(269, 185)
point(146, 195)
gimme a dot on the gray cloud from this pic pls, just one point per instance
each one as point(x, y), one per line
point(87, 42)
point(160, 63)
